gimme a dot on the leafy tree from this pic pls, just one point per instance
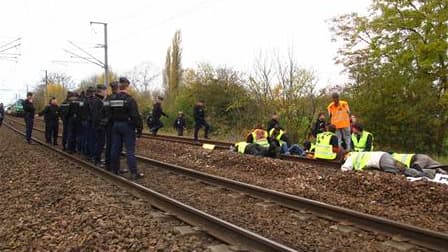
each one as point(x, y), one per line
point(172, 74)
point(397, 60)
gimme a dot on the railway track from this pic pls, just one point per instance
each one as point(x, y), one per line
point(222, 145)
point(216, 227)
point(412, 234)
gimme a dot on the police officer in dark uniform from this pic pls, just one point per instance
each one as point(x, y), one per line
point(179, 124)
point(90, 137)
point(74, 121)
point(96, 109)
point(28, 108)
point(126, 121)
point(107, 123)
point(199, 119)
point(51, 118)
point(63, 112)
point(157, 113)
point(85, 132)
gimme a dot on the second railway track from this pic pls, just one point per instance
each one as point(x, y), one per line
point(304, 207)
point(222, 145)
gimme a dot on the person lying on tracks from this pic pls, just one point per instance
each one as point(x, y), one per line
point(360, 161)
point(416, 164)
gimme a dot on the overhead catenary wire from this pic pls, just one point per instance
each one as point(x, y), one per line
point(11, 42)
point(86, 52)
point(84, 58)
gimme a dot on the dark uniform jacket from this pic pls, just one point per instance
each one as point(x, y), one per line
point(128, 112)
point(95, 104)
point(106, 116)
point(157, 111)
point(179, 123)
point(84, 108)
point(63, 109)
point(199, 113)
point(74, 110)
point(50, 113)
point(28, 108)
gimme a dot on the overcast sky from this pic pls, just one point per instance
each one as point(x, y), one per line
point(220, 32)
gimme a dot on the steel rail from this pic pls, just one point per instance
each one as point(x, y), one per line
point(218, 228)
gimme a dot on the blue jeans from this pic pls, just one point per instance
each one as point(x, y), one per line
point(123, 132)
point(29, 122)
point(295, 149)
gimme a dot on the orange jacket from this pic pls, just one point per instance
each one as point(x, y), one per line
point(340, 115)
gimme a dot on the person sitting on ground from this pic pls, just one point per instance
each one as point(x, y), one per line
point(251, 149)
point(327, 145)
point(274, 121)
point(319, 125)
point(279, 135)
point(258, 136)
point(362, 140)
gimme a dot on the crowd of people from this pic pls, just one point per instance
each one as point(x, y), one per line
point(96, 124)
point(341, 139)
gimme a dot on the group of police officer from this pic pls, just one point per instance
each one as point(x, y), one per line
point(94, 122)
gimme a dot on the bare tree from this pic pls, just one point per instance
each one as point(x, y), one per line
point(143, 75)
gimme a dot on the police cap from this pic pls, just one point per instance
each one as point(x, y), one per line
point(101, 87)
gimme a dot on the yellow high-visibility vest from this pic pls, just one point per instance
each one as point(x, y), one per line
point(403, 158)
point(323, 149)
point(361, 144)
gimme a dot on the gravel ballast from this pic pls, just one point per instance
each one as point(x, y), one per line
point(48, 204)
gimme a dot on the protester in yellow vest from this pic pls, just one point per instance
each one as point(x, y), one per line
point(327, 145)
point(362, 140)
point(258, 136)
point(420, 163)
point(360, 161)
point(278, 135)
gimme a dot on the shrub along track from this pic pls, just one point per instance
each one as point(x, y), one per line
point(271, 215)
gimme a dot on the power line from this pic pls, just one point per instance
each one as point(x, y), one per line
point(86, 52)
point(11, 42)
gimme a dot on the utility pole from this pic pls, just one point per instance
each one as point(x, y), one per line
point(106, 64)
point(46, 86)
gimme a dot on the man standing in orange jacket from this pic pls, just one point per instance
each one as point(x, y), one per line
point(339, 113)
